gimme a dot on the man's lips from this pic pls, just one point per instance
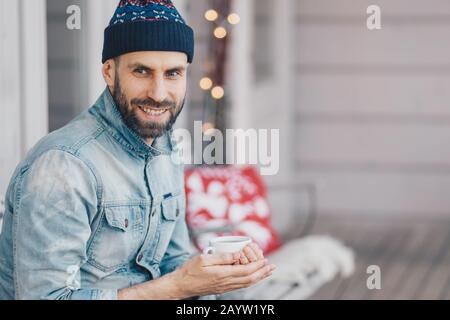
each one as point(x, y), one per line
point(154, 112)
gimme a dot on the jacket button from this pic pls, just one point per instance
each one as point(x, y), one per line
point(126, 223)
point(153, 212)
point(140, 257)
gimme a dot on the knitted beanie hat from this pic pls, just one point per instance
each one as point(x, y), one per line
point(147, 25)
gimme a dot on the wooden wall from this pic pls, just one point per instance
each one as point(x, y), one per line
point(372, 114)
point(369, 121)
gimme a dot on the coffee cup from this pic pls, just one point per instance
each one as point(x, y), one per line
point(228, 244)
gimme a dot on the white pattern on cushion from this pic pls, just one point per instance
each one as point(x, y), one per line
point(238, 212)
point(213, 200)
point(256, 231)
point(261, 207)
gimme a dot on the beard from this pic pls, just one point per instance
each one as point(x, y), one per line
point(145, 129)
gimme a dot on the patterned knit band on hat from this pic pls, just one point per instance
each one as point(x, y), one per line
point(147, 25)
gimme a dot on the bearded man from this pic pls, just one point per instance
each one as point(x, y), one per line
point(96, 210)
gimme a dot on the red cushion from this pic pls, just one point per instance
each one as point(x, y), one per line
point(229, 196)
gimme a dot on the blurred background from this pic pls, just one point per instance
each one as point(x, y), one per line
point(363, 114)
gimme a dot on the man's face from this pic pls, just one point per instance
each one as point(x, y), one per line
point(149, 90)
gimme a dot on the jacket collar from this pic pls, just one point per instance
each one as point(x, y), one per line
point(106, 110)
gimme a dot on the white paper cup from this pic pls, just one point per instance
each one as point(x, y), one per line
point(229, 244)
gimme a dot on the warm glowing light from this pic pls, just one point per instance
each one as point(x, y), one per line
point(206, 83)
point(217, 93)
point(234, 18)
point(220, 32)
point(211, 15)
point(208, 126)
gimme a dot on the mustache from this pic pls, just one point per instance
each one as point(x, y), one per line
point(149, 102)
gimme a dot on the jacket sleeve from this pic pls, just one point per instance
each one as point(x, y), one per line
point(54, 202)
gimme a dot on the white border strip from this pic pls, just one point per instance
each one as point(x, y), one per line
point(34, 76)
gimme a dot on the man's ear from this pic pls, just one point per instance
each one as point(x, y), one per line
point(109, 72)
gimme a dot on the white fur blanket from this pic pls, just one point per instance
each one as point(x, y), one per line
point(306, 263)
point(314, 256)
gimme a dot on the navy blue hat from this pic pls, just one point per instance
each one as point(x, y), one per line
point(147, 25)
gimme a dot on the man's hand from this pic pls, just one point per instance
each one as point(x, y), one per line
point(251, 253)
point(205, 275)
point(217, 273)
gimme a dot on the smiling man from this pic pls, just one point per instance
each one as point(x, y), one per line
point(97, 209)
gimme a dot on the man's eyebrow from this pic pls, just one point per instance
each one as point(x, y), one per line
point(142, 66)
point(178, 68)
point(138, 65)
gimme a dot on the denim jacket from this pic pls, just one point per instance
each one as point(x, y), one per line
point(92, 209)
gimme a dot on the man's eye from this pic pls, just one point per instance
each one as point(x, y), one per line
point(173, 74)
point(140, 71)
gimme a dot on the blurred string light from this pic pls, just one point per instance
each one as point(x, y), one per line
point(220, 32)
point(207, 126)
point(234, 18)
point(217, 92)
point(211, 15)
point(206, 83)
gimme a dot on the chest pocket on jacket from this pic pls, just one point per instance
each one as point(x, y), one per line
point(118, 237)
point(170, 213)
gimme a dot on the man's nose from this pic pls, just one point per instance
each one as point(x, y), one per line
point(158, 90)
